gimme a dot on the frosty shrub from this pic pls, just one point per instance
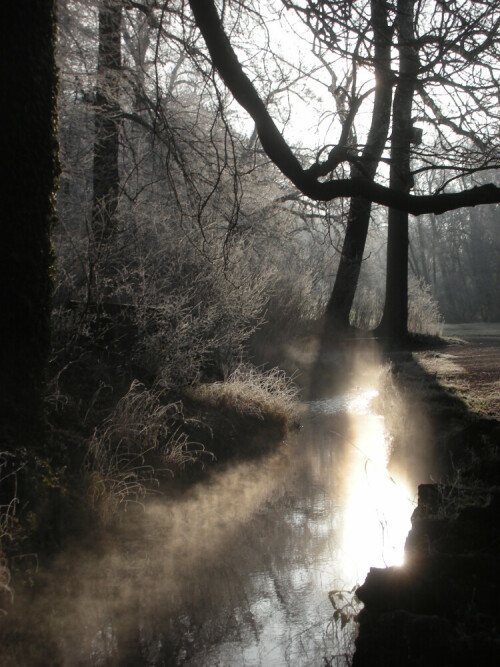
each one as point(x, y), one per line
point(195, 322)
point(137, 443)
point(177, 313)
point(423, 310)
point(291, 304)
point(265, 394)
point(367, 308)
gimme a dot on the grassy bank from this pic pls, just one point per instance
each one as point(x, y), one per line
point(115, 446)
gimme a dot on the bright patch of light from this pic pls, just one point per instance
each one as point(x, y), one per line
point(377, 507)
point(359, 403)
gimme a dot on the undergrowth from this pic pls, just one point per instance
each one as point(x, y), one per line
point(267, 395)
point(9, 528)
point(423, 310)
point(474, 478)
point(140, 441)
point(458, 492)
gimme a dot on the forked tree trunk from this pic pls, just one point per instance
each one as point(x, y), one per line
point(28, 145)
point(341, 299)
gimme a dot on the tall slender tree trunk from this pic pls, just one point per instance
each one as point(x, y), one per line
point(106, 179)
point(28, 146)
point(394, 323)
point(423, 247)
point(341, 299)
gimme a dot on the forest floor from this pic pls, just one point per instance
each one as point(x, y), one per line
point(442, 608)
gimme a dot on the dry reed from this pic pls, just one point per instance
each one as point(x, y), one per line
point(140, 441)
point(266, 395)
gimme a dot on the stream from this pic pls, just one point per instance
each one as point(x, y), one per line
point(254, 565)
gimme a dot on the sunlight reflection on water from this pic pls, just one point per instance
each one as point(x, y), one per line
point(238, 570)
point(353, 402)
point(376, 507)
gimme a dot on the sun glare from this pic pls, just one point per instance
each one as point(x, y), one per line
point(378, 507)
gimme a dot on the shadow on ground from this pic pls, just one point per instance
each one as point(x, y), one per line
point(441, 607)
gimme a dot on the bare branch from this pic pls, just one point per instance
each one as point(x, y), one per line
point(229, 68)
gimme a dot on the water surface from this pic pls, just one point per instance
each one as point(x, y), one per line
point(242, 568)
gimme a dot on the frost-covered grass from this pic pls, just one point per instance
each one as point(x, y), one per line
point(143, 439)
point(140, 441)
point(267, 395)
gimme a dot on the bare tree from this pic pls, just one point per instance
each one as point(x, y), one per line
point(314, 181)
point(192, 283)
point(365, 166)
point(308, 180)
point(395, 317)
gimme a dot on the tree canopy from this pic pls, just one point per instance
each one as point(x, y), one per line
point(478, 40)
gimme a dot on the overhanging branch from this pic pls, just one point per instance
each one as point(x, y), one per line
point(226, 63)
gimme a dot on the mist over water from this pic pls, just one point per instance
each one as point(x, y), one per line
point(235, 570)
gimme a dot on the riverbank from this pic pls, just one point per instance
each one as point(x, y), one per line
point(106, 457)
point(441, 607)
point(236, 566)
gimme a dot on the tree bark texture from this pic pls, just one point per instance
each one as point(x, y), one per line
point(106, 179)
point(29, 149)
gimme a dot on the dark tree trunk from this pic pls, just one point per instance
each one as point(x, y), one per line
point(29, 150)
point(394, 323)
point(344, 289)
point(106, 180)
point(340, 303)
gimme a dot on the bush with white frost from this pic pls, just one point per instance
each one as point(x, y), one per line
point(137, 443)
point(423, 310)
point(265, 394)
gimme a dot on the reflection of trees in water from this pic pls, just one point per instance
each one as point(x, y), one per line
point(185, 574)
